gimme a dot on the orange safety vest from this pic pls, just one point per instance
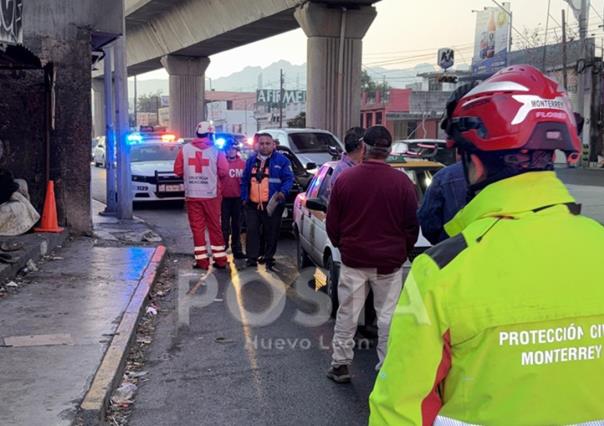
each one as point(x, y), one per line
point(259, 190)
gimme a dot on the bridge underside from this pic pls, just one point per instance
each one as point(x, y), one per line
point(267, 27)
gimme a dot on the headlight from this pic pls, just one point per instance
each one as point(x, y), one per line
point(137, 179)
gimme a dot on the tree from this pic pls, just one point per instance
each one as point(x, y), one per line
point(149, 103)
point(369, 86)
point(298, 122)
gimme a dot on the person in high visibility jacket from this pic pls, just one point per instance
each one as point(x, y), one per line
point(202, 166)
point(503, 323)
point(267, 174)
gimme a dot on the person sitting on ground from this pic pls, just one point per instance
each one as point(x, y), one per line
point(17, 215)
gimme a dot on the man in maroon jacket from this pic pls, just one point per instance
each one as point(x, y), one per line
point(231, 200)
point(372, 220)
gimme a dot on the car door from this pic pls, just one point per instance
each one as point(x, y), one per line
point(305, 228)
point(318, 232)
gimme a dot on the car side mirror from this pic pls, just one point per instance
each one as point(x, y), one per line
point(311, 166)
point(316, 204)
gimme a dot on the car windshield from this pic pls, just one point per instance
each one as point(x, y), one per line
point(312, 142)
point(153, 152)
point(421, 177)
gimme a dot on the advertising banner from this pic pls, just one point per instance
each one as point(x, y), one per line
point(491, 40)
point(272, 97)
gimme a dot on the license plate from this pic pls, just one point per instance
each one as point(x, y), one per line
point(174, 188)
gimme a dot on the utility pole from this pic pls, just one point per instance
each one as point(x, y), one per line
point(111, 195)
point(157, 103)
point(564, 61)
point(581, 72)
point(281, 96)
point(124, 178)
point(135, 104)
point(549, 3)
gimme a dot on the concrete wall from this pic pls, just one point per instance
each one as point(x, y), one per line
point(58, 31)
point(427, 102)
point(21, 119)
point(55, 17)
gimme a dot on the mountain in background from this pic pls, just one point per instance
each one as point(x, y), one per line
point(251, 78)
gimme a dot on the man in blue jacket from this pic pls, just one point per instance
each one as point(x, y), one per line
point(446, 195)
point(267, 175)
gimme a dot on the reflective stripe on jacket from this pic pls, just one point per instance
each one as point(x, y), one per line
point(259, 184)
point(281, 176)
point(502, 324)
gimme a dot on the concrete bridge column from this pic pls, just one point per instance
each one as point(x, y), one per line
point(334, 77)
point(186, 92)
point(98, 117)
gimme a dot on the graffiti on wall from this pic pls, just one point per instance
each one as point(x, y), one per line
point(11, 23)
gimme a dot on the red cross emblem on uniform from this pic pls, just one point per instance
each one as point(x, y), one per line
point(199, 162)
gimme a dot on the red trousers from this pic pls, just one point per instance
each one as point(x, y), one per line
point(205, 214)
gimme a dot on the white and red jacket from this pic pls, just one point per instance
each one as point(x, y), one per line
point(203, 167)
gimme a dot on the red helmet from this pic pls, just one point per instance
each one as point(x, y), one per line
point(517, 108)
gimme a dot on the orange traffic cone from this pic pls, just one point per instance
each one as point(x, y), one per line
point(49, 221)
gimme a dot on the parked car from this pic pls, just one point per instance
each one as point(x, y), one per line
point(152, 156)
point(310, 207)
point(427, 149)
point(313, 147)
point(152, 168)
point(98, 152)
point(301, 179)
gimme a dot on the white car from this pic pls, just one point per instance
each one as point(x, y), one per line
point(313, 244)
point(313, 147)
point(152, 168)
point(98, 152)
point(428, 149)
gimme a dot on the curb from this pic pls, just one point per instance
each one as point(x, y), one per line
point(37, 245)
point(108, 375)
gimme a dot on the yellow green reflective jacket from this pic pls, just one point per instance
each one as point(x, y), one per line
point(502, 324)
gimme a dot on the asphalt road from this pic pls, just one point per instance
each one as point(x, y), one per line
point(224, 367)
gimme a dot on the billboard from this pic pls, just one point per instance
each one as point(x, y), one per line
point(11, 28)
point(272, 97)
point(491, 40)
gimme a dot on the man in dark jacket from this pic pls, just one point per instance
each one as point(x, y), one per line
point(446, 195)
point(268, 175)
point(372, 220)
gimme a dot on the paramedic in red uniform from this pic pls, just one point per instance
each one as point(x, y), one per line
point(203, 166)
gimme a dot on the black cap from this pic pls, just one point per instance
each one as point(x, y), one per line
point(378, 136)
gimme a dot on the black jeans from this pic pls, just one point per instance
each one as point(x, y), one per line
point(260, 224)
point(231, 223)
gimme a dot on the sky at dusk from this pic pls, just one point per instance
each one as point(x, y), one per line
point(408, 32)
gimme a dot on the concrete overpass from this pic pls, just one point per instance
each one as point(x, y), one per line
point(181, 35)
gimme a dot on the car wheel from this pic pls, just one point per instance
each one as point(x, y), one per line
point(302, 259)
point(333, 277)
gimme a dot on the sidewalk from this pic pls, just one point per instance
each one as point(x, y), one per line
point(67, 326)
